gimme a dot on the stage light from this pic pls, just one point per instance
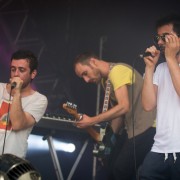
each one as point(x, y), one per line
point(15, 168)
point(36, 143)
point(67, 147)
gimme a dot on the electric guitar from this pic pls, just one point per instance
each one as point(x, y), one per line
point(72, 109)
point(105, 140)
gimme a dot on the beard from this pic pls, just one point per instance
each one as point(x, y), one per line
point(25, 84)
point(96, 75)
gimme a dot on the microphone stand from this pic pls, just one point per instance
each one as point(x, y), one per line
point(7, 119)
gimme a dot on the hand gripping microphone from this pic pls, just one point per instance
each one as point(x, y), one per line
point(13, 85)
point(145, 55)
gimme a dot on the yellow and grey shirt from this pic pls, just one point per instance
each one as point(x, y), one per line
point(120, 75)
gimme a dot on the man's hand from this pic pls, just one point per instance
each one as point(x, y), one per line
point(16, 83)
point(84, 122)
point(151, 61)
point(172, 46)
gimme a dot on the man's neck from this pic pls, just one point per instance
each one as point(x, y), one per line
point(104, 68)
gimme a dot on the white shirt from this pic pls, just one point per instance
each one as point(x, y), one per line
point(16, 141)
point(167, 138)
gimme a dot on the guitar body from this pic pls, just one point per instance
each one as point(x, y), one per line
point(105, 147)
point(105, 140)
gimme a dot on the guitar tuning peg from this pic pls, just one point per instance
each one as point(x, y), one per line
point(74, 106)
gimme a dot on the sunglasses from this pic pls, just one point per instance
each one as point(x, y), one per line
point(158, 37)
point(162, 37)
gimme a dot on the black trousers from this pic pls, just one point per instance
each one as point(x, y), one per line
point(128, 155)
point(155, 166)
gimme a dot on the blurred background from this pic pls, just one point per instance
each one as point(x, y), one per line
point(57, 31)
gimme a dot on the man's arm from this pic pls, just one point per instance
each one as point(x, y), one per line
point(118, 110)
point(149, 90)
point(19, 118)
point(171, 50)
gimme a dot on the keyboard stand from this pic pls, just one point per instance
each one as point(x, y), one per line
point(77, 160)
point(56, 161)
point(54, 157)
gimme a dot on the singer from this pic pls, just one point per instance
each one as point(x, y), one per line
point(161, 89)
point(25, 105)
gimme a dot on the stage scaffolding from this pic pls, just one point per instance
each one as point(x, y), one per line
point(17, 37)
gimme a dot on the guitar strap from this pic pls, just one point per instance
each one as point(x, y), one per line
point(107, 91)
point(106, 96)
point(106, 102)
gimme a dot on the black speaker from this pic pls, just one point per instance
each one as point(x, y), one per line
point(15, 168)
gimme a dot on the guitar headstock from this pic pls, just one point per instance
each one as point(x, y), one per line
point(71, 109)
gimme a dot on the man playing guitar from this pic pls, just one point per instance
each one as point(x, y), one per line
point(126, 109)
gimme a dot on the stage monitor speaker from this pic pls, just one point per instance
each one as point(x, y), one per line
point(15, 168)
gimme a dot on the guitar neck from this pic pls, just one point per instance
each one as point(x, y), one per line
point(73, 111)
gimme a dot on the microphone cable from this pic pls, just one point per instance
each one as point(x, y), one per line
point(133, 120)
point(7, 119)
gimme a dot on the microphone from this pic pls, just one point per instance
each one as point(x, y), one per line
point(145, 55)
point(13, 85)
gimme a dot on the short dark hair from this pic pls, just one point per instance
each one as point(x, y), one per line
point(29, 56)
point(173, 19)
point(83, 58)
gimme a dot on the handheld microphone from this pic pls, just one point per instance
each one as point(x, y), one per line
point(145, 55)
point(13, 85)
